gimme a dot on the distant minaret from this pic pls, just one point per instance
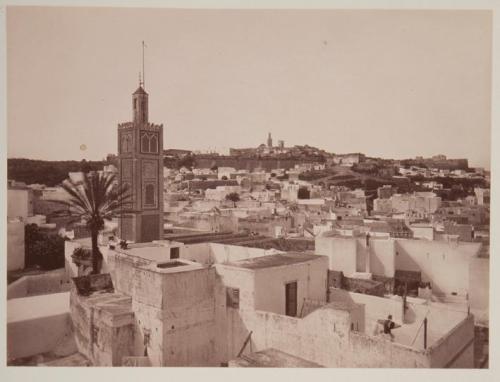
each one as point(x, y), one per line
point(269, 141)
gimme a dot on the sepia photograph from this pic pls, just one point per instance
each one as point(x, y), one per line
point(245, 187)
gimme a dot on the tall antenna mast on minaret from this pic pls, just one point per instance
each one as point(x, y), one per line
point(143, 72)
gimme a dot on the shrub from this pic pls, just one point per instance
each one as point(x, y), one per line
point(43, 249)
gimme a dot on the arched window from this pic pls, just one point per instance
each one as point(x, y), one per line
point(153, 144)
point(124, 144)
point(144, 143)
point(150, 194)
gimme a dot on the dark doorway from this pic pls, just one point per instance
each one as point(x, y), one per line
point(174, 253)
point(291, 299)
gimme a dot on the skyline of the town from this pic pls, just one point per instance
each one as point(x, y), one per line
point(420, 86)
point(214, 151)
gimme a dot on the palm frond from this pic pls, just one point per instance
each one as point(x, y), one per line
point(74, 189)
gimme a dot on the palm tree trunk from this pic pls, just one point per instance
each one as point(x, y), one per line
point(95, 252)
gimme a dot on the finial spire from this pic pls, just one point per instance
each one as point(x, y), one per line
point(140, 79)
point(143, 72)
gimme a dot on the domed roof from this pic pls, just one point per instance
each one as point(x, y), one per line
point(140, 90)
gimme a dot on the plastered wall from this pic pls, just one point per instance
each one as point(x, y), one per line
point(444, 264)
point(375, 307)
point(340, 251)
point(311, 278)
point(223, 253)
point(15, 245)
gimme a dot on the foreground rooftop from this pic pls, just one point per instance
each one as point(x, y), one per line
point(271, 358)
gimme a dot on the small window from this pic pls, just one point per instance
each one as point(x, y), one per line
point(144, 143)
point(174, 253)
point(153, 144)
point(150, 194)
point(291, 299)
point(233, 298)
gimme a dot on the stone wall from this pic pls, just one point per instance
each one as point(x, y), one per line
point(320, 337)
point(177, 311)
point(376, 352)
point(103, 323)
point(324, 337)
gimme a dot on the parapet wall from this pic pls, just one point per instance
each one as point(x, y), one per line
point(375, 307)
point(321, 337)
point(369, 351)
point(37, 324)
point(35, 285)
point(456, 348)
point(103, 321)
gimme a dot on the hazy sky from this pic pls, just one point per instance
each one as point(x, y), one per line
point(394, 84)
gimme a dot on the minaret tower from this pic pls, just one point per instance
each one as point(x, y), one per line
point(140, 166)
point(269, 141)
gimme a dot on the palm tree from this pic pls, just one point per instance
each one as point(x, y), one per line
point(93, 200)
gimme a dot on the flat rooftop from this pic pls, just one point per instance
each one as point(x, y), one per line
point(112, 303)
point(274, 260)
point(271, 358)
point(242, 239)
point(148, 251)
point(34, 307)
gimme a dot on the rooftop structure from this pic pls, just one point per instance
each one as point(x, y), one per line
point(277, 260)
point(192, 295)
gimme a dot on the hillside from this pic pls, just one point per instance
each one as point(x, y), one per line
point(50, 173)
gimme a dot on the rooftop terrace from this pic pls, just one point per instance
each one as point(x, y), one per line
point(274, 261)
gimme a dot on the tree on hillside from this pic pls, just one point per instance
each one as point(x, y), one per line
point(187, 161)
point(94, 200)
point(50, 173)
point(233, 197)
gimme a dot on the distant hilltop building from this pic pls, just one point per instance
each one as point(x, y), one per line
point(266, 157)
point(267, 149)
point(438, 161)
point(178, 153)
point(348, 159)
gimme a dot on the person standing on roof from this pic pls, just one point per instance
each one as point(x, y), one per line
point(388, 326)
